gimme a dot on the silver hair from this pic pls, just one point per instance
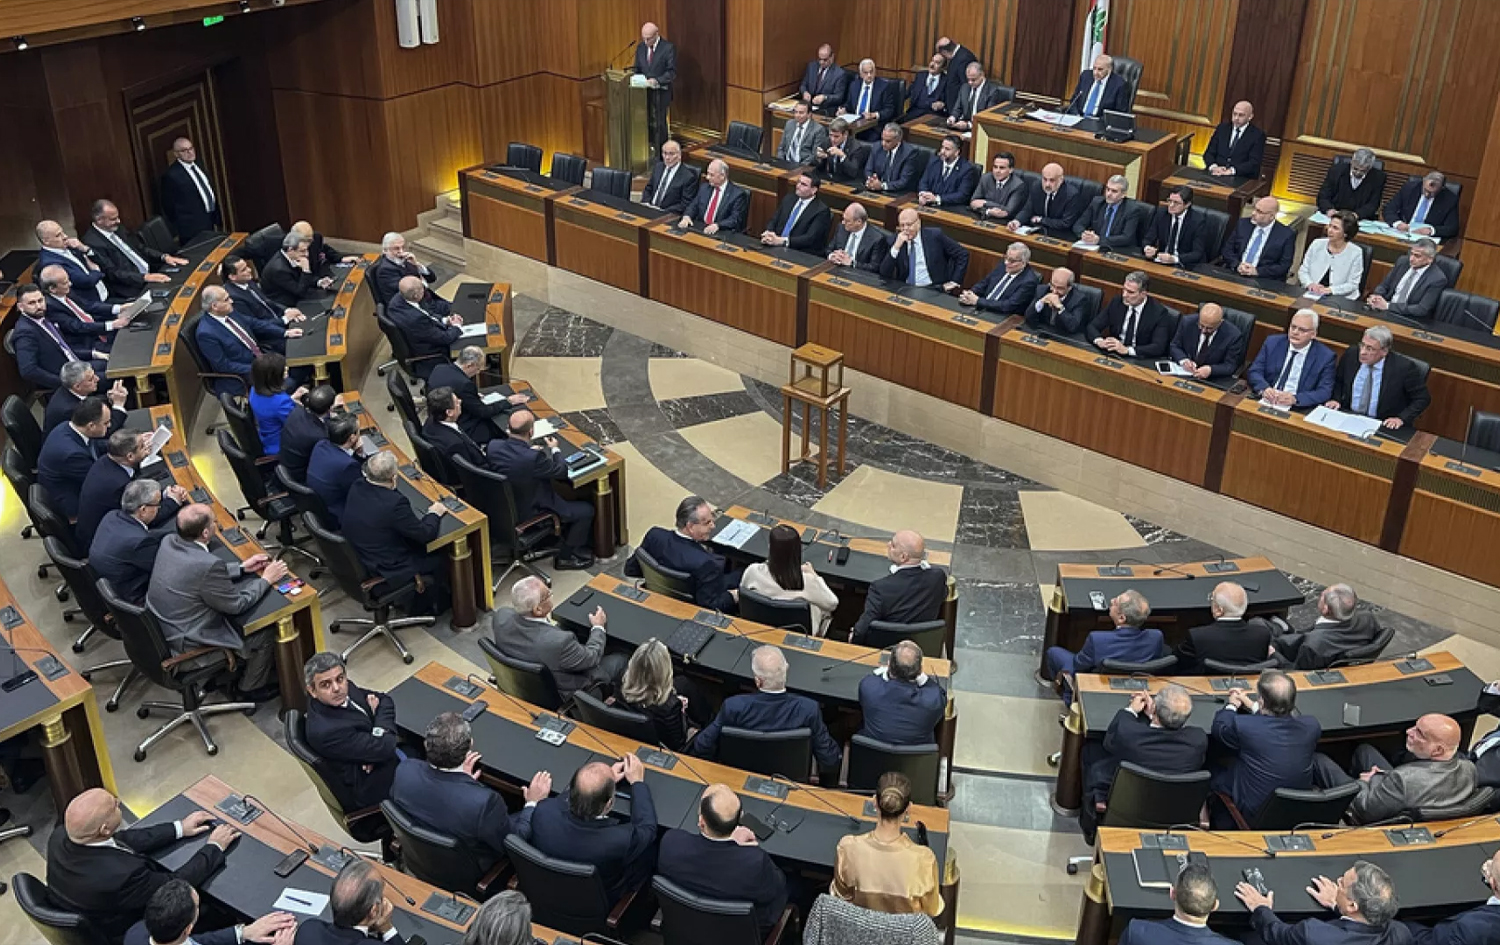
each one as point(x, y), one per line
point(381, 467)
point(859, 211)
point(1134, 608)
point(471, 355)
point(1374, 894)
point(504, 919)
point(212, 294)
point(1381, 335)
point(139, 494)
point(50, 277)
point(1340, 600)
point(319, 664)
point(1425, 245)
point(1363, 158)
point(1435, 175)
point(389, 240)
point(1119, 180)
point(1310, 314)
point(892, 126)
point(769, 666)
point(1021, 248)
point(293, 239)
point(73, 372)
point(1173, 706)
point(527, 593)
point(1231, 603)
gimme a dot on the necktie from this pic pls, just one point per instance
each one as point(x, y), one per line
point(130, 254)
point(1362, 402)
point(204, 190)
point(1203, 342)
point(911, 268)
point(791, 220)
point(77, 310)
point(1423, 206)
point(1404, 287)
point(974, 101)
point(1252, 254)
point(818, 85)
point(1047, 207)
point(999, 290)
point(1092, 106)
point(242, 335)
point(264, 304)
point(852, 246)
point(1176, 232)
point(1109, 222)
point(946, 169)
point(1286, 369)
point(650, 50)
point(713, 208)
point(864, 100)
point(931, 83)
point(1129, 332)
point(796, 145)
point(1234, 139)
point(56, 336)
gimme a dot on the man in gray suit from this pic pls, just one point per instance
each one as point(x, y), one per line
point(1429, 774)
point(1002, 193)
point(1413, 286)
point(802, 137)
point(977, 95)
point(195, 593)
point(525, 631)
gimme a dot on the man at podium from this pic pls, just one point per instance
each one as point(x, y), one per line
point(656, 60)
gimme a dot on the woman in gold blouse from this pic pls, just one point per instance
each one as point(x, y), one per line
point(885, 871)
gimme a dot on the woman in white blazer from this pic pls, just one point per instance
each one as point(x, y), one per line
point(1333, 265)
point(785, 576)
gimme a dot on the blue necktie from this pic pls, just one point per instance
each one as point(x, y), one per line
point(791, 221)
point(1091, 107)
point(1423, 206)
point(1253, 251)
point(911, 269)
point(1109, 224)
point(864, 99)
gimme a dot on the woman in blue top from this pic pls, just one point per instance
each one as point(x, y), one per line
point(269, 401)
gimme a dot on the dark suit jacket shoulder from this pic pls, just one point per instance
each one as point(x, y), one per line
point(625, 853)
point(771, 712)
point(351, 737)
point(910, 595)
point(724, 870)
point(1232, 641)
point(711, 584)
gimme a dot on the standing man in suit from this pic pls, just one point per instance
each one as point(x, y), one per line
point(172, 912)
point(673, 184)
point(1260, 247)
point(914, 591)
point(361, 913)
point(976, 95)
point(1425, 207)
point(396, 263)
point(527, 632)
point(125, 543)
point(924, 255)
point(823, 83)
point(929, 91)
point(950, 179)
point(1009, 288)
point(1364, 900)
point(129, 265)
point(532, 470)
point(1194, 899)
point(107, 478)
point(871, 98)
point(1054, 207)
point(802, 137)
point(1338, 629)
point(1375, 381)
point(656, 59)
point(351, 728)
point(1207, 345)
point(1431, 773)
point(188, 201)
point(1176, 235)
point(1151, 732)
point(79, 380)
point(958, 57)
point(305, 427)
point(1273, 747)
point(41, 348)
point(1230, 638)
point(250, 300)
point(1111, 221)
point(1133, 325)
point(106, 874)
point(389, 538)
point(1480, 924)
point(335, 466)
point(230, 345)
point(1099, 90)
point(892, 167)
point(479, 419)
point(858, 242)
point(901, 704)
point(444, 429)
point(69, 452)
point(1294, 369)
point(289, 276)
point(723, 860)
point(427, 322)
point(1356, 186)
point(1057, 304)
point(194, 594)
point(1413, 285)
point(719, 205)
point(1001, 194)
point(772, 709)
point(577, 826)
point(843, 159)
point(802, 220)
point(1130, 641)
point(686, 549)
point(57, 248)
point(1236, 147)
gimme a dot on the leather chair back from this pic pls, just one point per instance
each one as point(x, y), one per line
point(305, 498)
point(242, 422)
point(787, 753)
point(325, 779)
point(1287, 807)
point(1226, 668)
point(491, 493)
point(145, 644)
point(920, 155)
point(1093, 301)
point(1423, 368)
point(1451, 266)
point(17, 472)
point(869, 759)
point(1472, 806)
point(1087, 187)
point(340, 558)
point(564, 895)
point(22, 430)
point(56, 923)
point(261, 245)
point(1140, 797)
point(569, 167)
point(1452, 186)
point(401, 398)
point(613, 718)
point(664, 580)
point(1466, 310)
point(156, 234)
point(1130, 71)
point(525, 680)
point(1342, 161)
point(743, 136)
point(612, 181)
point(81, 580)
point(435, 857)
point(50, 522)
point(690, 919)
point(1484, 432)
point(790, 614)
point(928, 635)
point(434, 462)
point(1370, 651)
point(528, 156)
point(188, 338)
point(1160, 666)
point(246, 473)
point(1367, 253)
point(1216, 226)
point(1174, 320)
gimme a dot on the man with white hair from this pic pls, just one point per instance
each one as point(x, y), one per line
point(1230, 638)
point(1338, 629)
point(480, 420)
point(289, 277)
point(1112, 221)
point(396, 263)
point(871, 98)
point(1100, 90)
point(390, 540)
point(525, 631)
point(1355, 185)
point(230, 342)
point(1294, 369)
point(428, 323)
point(1414, 285)
point(773, 709)
point(80, 380)
point(80, 317)
point(1374, 381)
point(57, 248)
point(720, 205)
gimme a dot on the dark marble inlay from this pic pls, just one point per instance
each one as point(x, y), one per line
point(559, 333)
point(706, 408)
point(1000, 617)
point(662, 351)
point(597, 424)
point(799, 484)
point(991, 517)
point(1154, 534)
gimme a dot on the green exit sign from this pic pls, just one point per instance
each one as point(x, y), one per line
point(212, 20)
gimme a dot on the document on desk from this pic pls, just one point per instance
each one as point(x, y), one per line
point(736, 533)
point(1350, 423)
point(476, 330)
point(543, 427)
point(493, 397)
point(159, 439)
point(1086, 247)
point(1056, 118)
point(300, 900)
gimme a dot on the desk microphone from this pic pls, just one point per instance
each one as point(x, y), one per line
point(853, 659)
point(1265, 851)
point(1468, 428)
point(630, 45)
point(1447, 830)
point(752, 634)
point(392, 886)
point(1058, 125)
point(783, 779)
point(1133, 561)
point(311, 847)
point(1173, 569)
point(1488, 329)
point(1399, 819)
point(678, 755)
point(1218, 697)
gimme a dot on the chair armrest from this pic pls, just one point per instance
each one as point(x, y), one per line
point(1239, 819)
point(270, 496)
point(171, 664)
point(268, 460)
point(547, 518)
point(372, 583)
point(499, 872)
point(621, 907)
point(656, 922)
point(787, 916)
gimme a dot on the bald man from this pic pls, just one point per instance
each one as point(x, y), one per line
point(320, 254)
point(1207, 345)
point(1230, 638)
point(576, 826)
point(913, 592)
point(429, 324)
point(1100, 90)
point(1237, 146)
point(1261, 246)
point(57, 248)
point(656, 60)
point(1480, 924)
point(722, 860)
point(105, 874)
point(1430, 773)
point(188, 201)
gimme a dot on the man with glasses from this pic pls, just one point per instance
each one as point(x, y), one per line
point(125, 544)
point(1010, 286)
point(1356, 185)
point(1374, 381)
point(1294, 369)
point(1431, 773)
point(823, 83)
point(1413, 286)
point(686, 549)
point(188, 201)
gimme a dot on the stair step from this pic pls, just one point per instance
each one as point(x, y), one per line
point(451, 224)
point(442, 248)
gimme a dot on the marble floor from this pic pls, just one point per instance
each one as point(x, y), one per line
point(685, 425)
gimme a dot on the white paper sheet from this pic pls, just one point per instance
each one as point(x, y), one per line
point(543, 427)
point(302, 901)
point(159, 438)
point(1056, 118)
point(736, 533)
point(476, 330)
point(1351, 423)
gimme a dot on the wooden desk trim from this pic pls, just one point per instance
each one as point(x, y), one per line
point(1149, 572)
point(1367, 675)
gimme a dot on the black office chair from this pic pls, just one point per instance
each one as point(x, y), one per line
point(401, 350)
point(275, 508)
point(50, 523)
point(365, 825)
point(1342, 162)
point(1160, 666)
point(302, 495)
point(514, 541)
point(402, 401)
point(870, 758)
point(569, 168)
point(1215, 228)
point(529, 156)
point(1093, 301)
point(374, 593)
point(81, 580)
point(246, 430)
point(1484, 431)
point(1466, 310)
point(590, 710)
point(443, 860)
point(1227, 668)
point(565, 895)
point(1088, 188)
point(263, 244)
point(187, 336)
point(186, 674)
point(156, 234)
point(1130, 71)
point(34, 394)
point(21, 479)
point(1174, 320)
point(1423, 369)
point(1451, 266)
point(433, 461)
point(690, 919)
point(1287, 808)
point(1140, 797)
point(56, 923)
point(1368, 653)
point(1245, 322)
point(521, 679)
point(664, 580)
point(21, 430)
point(790, 614)
point(744, 137)
point(921, 154)
point(928, 635)
point(1472, 806)
point(612, 181)
point(787, 753)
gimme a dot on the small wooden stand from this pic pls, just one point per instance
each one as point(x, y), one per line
point(817, 390)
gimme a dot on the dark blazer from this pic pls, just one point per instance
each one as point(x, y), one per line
point(1402, 391)
point(1337, 194)
point(990, 95)
point(137, 935)
point(573, 664)
point(285, 283)
point(95, 334)
point(958, 71)
point(1133, 738)
point(874, 245)
point(1129, 644)
point(431, 341)
point(251, 301)
point(182, 204)
point(1314, 386)
point(896, 169)
point(1487, 765)
point(63, 402)
point(123, 553)
point(75, 261)
point(1192, 236)
point(732, 213)
point(908, 595)
point(662, 67)
point(1246, 155)
point(350, 738)
point(1226, 352)
point(330, 473)
point(451, 442)
point(724, 870)
point(112, 886)
point(830, 84)
point(1066, 207)
point(684, 186)
point(711, 583)
point(387, 535)
point(956, 190)
point(885, 100)
point(102, 489)
point(387, 277)
point(1275, 257)
point(120, 274)
point(226, 354)
point(1169, 932)
point(1068, 321)
point(453, 803)
point(40, 357)
point(899, 712)
point(63, 465)
point(1114, 98)
point(1474, 927)
point(624, 853)
point(478, 418)
point(1012, 196)
point(1152, 334)
point(531, 472)
point(301, 433)
point(1323, 644)
point(1423, 298)
point(1120, 234)
point(1442, 216)
point(811, 229)
point(1019, 294)
point(319, 932)
point(771, 712)
point(947, 261)
point(1273, 931)
point(667, 719)
point(851, 168)
point(919, 101)
point(1272, 752)
point(1232, 641)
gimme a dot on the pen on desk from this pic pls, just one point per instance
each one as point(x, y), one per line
point(300, 902)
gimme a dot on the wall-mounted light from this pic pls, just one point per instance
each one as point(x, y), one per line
point(20, 42)
point(427, 10)
point(139, 23)
point(407, 33)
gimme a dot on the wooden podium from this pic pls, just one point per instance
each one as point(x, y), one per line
point(629, 123)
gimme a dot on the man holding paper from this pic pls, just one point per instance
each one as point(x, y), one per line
point(1374, 381)
point(112, 472)
point(1294, 369)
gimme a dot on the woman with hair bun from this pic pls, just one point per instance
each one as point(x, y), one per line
point(885, 871)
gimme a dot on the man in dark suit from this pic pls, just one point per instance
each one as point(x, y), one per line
point(1058, 305)
point(188, 201)
point(1480, 924)
point(802, 220)
point(1338, 629)
point(1431, 773)
point(1194, 899)
point(107, 478)
point(1151, 732)
point(1177, 234)
point(1482, 750)
point(125, 543)
point(802, 138)
point(1133, 325)
point(957, 56)
point(250, 300)
point(443, 793)
point(914, 591)
point(1236, 147)
point(723, 860)
point(858, 242)
point(321, 254)
point(1099, 90)
point(872, 98)
point(129, 265)
point(719, 205)
point(901, 705)
point(105, 873)
point(351, 728)
point(396, 263)
point(526, 632)
point(480, 419)
point(1054, 207)
point(427, 322)
point(1260, 247)
point(672, 184)
point(1112, 221)
point(79, 380)
point(1207, 345)
point(1130, 641)
point(172, 913)
point(1009, 288)
point(1273, 747)
point(1294, 369)
point(444, 429)
point(892, 167)
point(686, 549)
point(656, 61)
point(230, 344)
point(929, 92)
point(578, 827)
point(361, 913)
point(288, 276)
point(1375, 381)
point(531, 472)
point(924, 255)
point(823, 82)
point(69, 452)
point(1356, 186)
point(949, 180)
point(335, 466)
point(56, 248)
point(976, 95)
point(1364, 900)
point(80, 317)
point(843, 160)
point(389, 538)
point(41, 348)
point(1001, 194)
point(1425, 207)
point(1413, 286)
point(305, 427)
point(773, 709)
point(1230, 638)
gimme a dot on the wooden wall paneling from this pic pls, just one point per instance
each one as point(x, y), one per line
point(1264, 30)
point(792, 31)
point(1483, 222)
point(298, 49)
point(747, 304)
point(902, 357)
point(541, 109)
point(257, 185)
point(424, 67)
point(35, 188)
point(699, 28)
point(743, 105)
point(506, 224)
point(323, 139)
point(162, 112)
point(1043, 50)
point(744, 39)
point(37, 16)
point(429, 138)
point(605, 27)
point(1445, 533)
point(1308, 488)
point(887, 31)
point(548, 43)
point(93, 147)
point(1183, 46)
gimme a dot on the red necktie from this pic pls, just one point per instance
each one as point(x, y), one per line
point(245, 339)
point(78, 310)
point(713, 208)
